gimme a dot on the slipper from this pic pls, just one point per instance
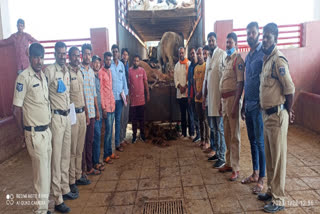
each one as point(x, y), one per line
point(99, 167)
point(94, 172)
point(114, 156)
point(249, 180)
point(257, 189)
point(108, 160)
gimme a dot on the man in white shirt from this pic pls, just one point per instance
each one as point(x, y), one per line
point(214, 68)
point(181, 83)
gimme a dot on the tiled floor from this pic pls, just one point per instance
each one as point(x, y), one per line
point(146, 172)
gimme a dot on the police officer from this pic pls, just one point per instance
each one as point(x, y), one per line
point(276, 95)
point(59, 85)
point(31, 109)
point(231, 87)
point(78, 130)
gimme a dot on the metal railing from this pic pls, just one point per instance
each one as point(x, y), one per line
point(49, 47)
point(290, 36)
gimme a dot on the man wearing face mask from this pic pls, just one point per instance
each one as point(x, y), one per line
point(250, 111)
point(231, 87)
point(58, 77)
point(276, 98)
point(138, 85)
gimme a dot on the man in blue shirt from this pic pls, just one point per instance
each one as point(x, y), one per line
point(194, 122)
point(96, 64)
point(119, 85)
point(250, 111)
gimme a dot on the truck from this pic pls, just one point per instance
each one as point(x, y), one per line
point(137, 25)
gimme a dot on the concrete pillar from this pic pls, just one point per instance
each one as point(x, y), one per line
point(99, 41)
point(5, 30)
point(222, 29)
point(316, 9)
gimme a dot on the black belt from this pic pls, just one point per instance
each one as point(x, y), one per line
point(79, 110)
point(274, 109)
point(37, 128)
point(61, 112)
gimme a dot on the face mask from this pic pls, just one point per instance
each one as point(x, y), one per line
point(61, 87)
point(230, 51)
point(269, 50)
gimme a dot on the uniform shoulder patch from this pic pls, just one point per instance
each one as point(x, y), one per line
point(19, 87)
point(240, 67)
point(282, 71)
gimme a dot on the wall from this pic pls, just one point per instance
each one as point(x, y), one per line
point(197, 38)
point(5, 30)
point(127, 40)
point(99, 41)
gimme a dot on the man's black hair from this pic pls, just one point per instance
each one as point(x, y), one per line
point(206, 47)
point(115, 47)
point(233, 36)
point(253, 24)
point(212, 34)
point(72, 49)
point(273, 29)
point(124, 50)
point(20, 21)
point(36, 49)
point(86, 46)
point(60, 45)
point(136, 56)
point(106, 54)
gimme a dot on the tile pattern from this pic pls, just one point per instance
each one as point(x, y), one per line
point(147, 172)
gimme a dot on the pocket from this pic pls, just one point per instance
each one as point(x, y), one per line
point(75, 85)
point(38, 142)
point(37, 93)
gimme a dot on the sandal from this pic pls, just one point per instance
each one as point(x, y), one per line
point(257, 189)
point(99, 167)
point(249, 180)
point(114, 156)
point(94, 172)
point(108, 160)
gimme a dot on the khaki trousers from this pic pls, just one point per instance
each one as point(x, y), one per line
point(275, 140)
point(39, 148)
point(231, 134)
point(78, 135)
point(61, 148)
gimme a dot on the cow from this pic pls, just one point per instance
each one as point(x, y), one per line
point(168, 50)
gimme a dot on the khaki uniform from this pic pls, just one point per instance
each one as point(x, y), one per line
point(78, 130)
point(61, 131)
point(31, 93)
point(275, 83)
point(232, 74)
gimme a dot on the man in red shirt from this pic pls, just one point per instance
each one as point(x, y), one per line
point(21, 41)
point(138, 83)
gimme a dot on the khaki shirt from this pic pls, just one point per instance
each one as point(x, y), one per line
point(76, 87)
point(275, 80)
point(231, 77)
point(31, 93)
point(59, 101)
point(214, 69)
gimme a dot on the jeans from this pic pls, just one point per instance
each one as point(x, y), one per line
point(87, 150)
point(137, 116)
point(96, 141)
point(203, 122)
point(216, 126)
point(212, 143)
point(117, 117)
point(124, 122)
point(183, 102)
point(194, 121)
point(255, 134)
point(108, 135)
